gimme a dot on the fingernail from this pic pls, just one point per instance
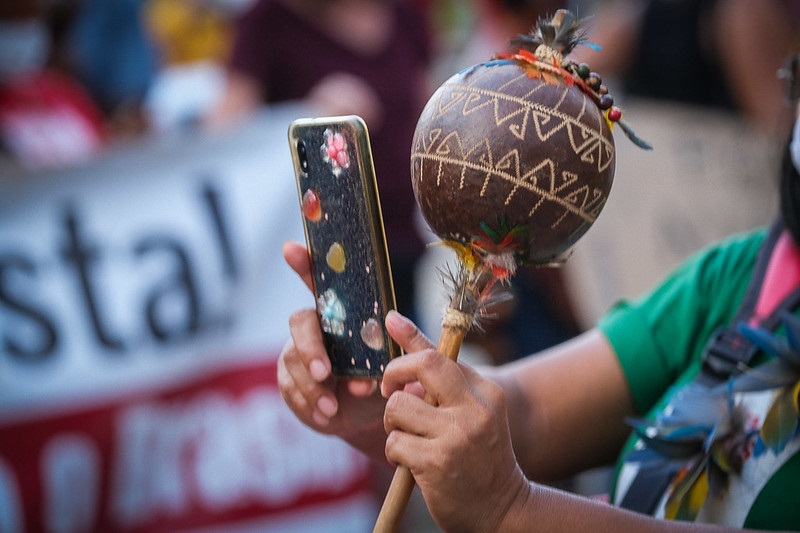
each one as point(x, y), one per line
point(317, 370)
point(320, 419)
point(327, 406)
point(394, 316)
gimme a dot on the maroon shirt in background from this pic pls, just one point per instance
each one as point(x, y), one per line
point(290, 56)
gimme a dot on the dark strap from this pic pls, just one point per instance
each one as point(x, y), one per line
point(649, 486)
point(727, 349)
point(748, 305)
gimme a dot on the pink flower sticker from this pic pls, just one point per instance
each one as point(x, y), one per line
point(334, 151)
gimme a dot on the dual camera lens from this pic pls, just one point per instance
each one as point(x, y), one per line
point(302, 156)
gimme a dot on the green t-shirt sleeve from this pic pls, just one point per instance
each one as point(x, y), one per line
point(659, 337)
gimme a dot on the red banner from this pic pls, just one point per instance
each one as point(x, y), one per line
point(217, 449)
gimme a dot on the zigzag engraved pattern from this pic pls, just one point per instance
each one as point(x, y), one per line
point(521, 116)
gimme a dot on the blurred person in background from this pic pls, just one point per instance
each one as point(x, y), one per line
point(721, 54)
point(365, 57)
point(48, 118)
point(111, 52)
point(193, 39)
point(152, 65)
point(697, 77)
point(473, 31)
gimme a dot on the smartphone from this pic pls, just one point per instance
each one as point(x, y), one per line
point(344, 233)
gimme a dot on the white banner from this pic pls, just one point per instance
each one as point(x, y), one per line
point(143, 303)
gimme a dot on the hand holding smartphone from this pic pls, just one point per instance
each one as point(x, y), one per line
point(344, 233)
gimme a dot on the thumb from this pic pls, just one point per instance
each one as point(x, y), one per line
point(296, 256)
point(406, 333)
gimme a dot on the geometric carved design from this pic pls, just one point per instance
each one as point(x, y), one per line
point(539, 154)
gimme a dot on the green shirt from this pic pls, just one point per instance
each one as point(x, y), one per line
point(659, 339)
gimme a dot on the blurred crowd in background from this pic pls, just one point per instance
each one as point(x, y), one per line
point(78, 75)
point(81, 78)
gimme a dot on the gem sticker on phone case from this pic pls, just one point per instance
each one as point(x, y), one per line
point(312, 209)
point(372, 334)
point(335, 151)
point(336, 258)
point(332, 312)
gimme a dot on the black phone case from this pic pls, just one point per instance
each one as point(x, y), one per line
point(344, 233)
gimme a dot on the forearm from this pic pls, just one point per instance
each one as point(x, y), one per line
point(542, 508)
point(566, 407)
point(524, 421)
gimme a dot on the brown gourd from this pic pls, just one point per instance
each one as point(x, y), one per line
point(514, 158)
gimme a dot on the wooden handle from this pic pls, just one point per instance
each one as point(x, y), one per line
point(403, 482)
point(395, 502)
